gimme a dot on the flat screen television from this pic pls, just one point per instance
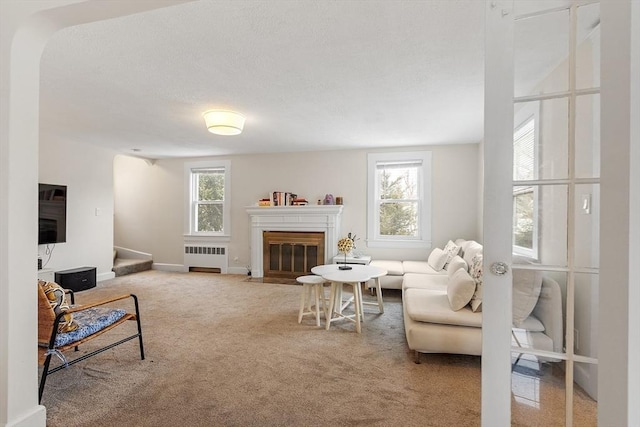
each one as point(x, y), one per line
point(52, 214)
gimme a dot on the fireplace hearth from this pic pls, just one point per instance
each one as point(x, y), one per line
point(323, 219)
point(291, 253)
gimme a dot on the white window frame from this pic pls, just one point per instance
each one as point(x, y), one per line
point(423, 240)
point(520, 250)
point(190, 169)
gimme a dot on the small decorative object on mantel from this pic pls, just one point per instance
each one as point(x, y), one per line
point(328, 200)
point(345, 245)
point(264, 202)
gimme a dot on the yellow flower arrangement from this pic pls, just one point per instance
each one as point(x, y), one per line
point(345, 245)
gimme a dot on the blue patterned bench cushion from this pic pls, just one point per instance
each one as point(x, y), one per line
point(89, 322)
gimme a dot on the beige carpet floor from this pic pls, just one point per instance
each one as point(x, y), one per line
point(222, 350)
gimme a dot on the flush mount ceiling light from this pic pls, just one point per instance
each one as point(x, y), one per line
point(224, 122)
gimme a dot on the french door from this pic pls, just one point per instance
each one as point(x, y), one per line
point(541, 212)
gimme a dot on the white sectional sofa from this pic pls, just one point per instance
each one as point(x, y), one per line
point(433, 326)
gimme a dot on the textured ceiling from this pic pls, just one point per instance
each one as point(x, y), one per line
point(308, 75)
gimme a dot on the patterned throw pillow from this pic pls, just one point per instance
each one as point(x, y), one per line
point(451, 249)
point(58, 302)
point(475, 271)
point(437, 259)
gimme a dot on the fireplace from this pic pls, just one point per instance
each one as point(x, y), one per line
point(323, 219)
point(291, 253)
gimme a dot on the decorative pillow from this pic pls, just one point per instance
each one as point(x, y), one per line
point(460, 289)
point(475, 268)
point(526, 290)
point(470, 249)
point(455, 264)
point(451, 249)
point(58, 302)
point(476, 299)
point(475, 271)
point(437, 259)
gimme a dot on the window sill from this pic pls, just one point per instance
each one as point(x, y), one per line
point(399, 244)
point(207, 237)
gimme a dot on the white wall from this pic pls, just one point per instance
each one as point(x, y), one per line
point(149, 198)
point(25, 28)
point(87, 171)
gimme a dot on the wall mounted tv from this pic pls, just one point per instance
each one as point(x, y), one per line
point(52, 214)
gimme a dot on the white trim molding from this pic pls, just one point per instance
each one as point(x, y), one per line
point(322, 218)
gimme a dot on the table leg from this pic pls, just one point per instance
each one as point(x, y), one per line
point(379, 295)
point(357, 305)
point(332, 301)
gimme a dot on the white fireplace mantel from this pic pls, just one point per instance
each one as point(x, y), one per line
point(325, 218)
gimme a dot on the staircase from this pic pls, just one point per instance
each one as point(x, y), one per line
point(127, 261)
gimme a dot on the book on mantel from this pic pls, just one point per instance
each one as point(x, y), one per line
point(282, 198)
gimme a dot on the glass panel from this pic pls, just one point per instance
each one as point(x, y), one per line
point(540, 223)
point(587, 136)
point(552, 223)
point(210, 186)
point(209, 217)
point(399, 219)
point(538, 307)
point(286, 257)
point(585, 407)
point(585, 334)
point(274, 257)
point(549, 143)
point(538, 392)
point(312, 257)
point(298, 258)
point(541, 52)
point(525, 221)
point(398, 181)
point(587, 225)
point(588, 47)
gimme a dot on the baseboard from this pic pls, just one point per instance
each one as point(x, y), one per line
point(179, 268)
point(37, 417)
point(105, 276)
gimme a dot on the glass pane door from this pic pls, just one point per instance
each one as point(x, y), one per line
point(547, 147)
point(556, 239)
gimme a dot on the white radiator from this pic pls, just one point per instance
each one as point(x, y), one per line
point(215, 256)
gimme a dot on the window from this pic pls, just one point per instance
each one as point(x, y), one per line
point(399, 200)
point(208, 189)
point(525, 198)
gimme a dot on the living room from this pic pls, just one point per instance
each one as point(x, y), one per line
point(139, 204)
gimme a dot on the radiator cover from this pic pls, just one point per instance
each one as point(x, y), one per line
point(207, 256)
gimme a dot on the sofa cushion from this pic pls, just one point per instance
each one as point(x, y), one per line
point(455, 264)
point(393, 267)
point(419, 267)
point(436, 282)
point(460, 289)
point(437, 259)
point(431, 306)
